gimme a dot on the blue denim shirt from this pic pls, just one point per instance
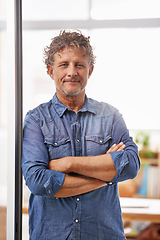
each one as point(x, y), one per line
point(53, 131)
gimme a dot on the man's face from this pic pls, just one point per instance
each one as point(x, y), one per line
point(70, 71)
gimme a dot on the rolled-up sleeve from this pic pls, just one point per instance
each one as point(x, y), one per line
point(35, 162)
point(126, 162)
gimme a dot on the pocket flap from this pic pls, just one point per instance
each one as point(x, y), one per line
point(98, 138)
point(56, 142)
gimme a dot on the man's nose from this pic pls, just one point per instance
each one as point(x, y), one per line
point(72, 71)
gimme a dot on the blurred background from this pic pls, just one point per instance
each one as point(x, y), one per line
point(125, 35)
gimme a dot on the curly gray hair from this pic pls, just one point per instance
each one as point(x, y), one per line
point(68, 39)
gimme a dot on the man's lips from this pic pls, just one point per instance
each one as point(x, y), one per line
point(71, 81)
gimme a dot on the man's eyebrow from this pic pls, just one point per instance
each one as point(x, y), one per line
point(63, 62)
point(81, 62)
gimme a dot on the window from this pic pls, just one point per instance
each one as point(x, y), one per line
point(3, 143)
point(126, 72)
point(126, 37)
point(3, 123)
point(124, 9)
point(55, 10)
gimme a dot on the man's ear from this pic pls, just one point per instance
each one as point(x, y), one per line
point(50, 71)
point(90, 70)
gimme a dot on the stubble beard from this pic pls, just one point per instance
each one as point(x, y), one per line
point(70, 93)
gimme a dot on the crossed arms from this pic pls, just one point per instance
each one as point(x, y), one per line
point(93, 172)
point(53, 179)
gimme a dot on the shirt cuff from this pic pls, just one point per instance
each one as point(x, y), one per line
point(54, 183)
point(120, 161)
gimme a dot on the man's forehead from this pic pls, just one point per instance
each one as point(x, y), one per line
point(77, 51)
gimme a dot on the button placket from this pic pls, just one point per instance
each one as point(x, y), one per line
point(77, 138)
point(77, 216)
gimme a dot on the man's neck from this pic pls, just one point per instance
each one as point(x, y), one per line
point(72, 102)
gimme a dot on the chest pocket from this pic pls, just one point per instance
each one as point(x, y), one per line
point(97, 144)
point(58, 148)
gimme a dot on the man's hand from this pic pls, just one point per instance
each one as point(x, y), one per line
point(117, 147)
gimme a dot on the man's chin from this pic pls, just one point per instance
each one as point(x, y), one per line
point(72, 93)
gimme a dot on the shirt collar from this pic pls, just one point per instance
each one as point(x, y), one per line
point(61, 108)
point(88, 106)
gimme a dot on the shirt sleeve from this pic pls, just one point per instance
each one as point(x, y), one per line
point(35, 162)
point(126, 162)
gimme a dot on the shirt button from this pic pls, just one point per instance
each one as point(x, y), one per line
point(55, 144)
point(78, 140)
point(78, 199)
point(100, 141)
point(76, 122)
point(49, 191)
point(110, 183)
point(76, 220)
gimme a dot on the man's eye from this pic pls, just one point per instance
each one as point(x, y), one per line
point(63, 65)
point(80, 66)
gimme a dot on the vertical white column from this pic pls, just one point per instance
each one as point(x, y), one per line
point(11, 120)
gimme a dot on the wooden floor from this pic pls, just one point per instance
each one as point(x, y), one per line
point(3, 222)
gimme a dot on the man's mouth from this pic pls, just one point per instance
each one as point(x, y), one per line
point(71, 81)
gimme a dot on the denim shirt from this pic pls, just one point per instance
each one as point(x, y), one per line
point(53, 131)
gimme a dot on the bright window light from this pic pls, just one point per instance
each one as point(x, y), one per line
point(54, 10)
point(125, 9)
point(126, 72)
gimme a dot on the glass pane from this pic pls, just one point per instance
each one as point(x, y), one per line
point(125, 9)
point(3, 11)
point(127, 69)
point(55, 10)
point(126, 58)
point(3, 134)
point(126, 75)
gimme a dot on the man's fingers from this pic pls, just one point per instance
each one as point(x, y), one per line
point(117, 147)
point(112, 148)
point(121, 147)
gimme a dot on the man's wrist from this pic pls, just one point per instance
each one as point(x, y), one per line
point(70, 164)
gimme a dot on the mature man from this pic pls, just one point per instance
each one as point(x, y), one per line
point(75, 151)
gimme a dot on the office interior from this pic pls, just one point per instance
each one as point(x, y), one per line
point(125, 35)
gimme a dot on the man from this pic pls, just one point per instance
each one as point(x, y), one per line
point(75, 151)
